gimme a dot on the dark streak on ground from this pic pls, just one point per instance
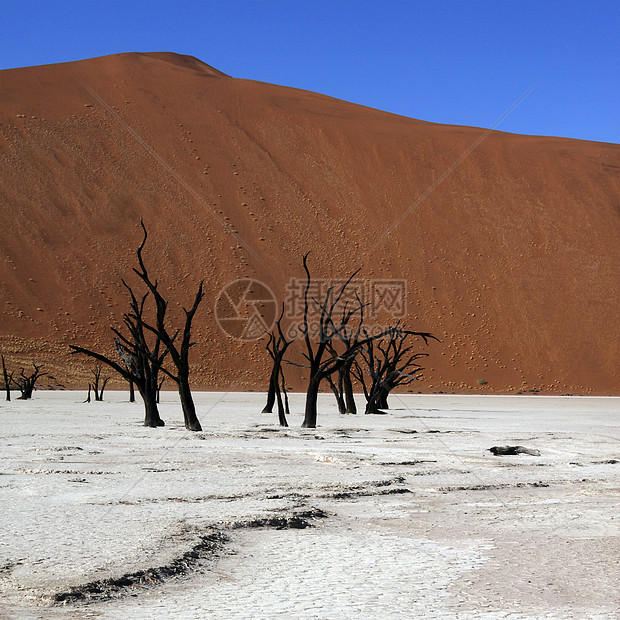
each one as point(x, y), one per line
point(207, 547)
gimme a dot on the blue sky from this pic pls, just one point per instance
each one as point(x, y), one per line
point(457, 62)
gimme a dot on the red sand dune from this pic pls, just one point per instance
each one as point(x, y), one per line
point(512, 260)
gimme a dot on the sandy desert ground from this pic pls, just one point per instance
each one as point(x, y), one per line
point(405, 515)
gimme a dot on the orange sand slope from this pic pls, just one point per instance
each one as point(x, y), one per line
point(512, 259)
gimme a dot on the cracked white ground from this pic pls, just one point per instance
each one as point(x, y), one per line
point(424, 524)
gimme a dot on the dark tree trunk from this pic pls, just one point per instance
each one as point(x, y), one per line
point(132, 392)
point(159, 389)
point(90, 387)
point(280, 390)
point(344, 390)
point(281, 413)
point(378, 400)
point(7, 379)
point(271, 392)
point(371, 406)
point(187, 403)
point(312, 396)
point(26, 393)
point(286, 408)
point(348, 389)
point(151, 417)
point(105, 382)
point(337, 390)
point(383, 398)
point(342, 408)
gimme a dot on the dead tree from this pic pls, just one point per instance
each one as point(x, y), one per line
point(26, 383)
point(98, 385)
point(343, 389)
point(179, 355)
point(276, 347)
point(284, 394)
point(347, 384)
point(161, 382)
point(8, 379)
point(389, 363)
point(338, 390)
point(132, 393)
point(337, 343)
point(344, 372)
point(140, 361)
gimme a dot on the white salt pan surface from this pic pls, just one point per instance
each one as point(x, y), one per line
point(424, 524)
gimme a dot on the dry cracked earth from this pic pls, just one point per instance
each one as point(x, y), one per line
point(405, 515)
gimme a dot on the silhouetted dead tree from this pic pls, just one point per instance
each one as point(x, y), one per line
point(8, 379)
point(323, 357)
point(276, 347)
point(389, 362)
point(343, 389)
point(98, 385)
point(140, 361)
point(143, 362)
point(179, 355)
point(26, 383)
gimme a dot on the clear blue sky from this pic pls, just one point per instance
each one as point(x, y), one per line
point(458, 62)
